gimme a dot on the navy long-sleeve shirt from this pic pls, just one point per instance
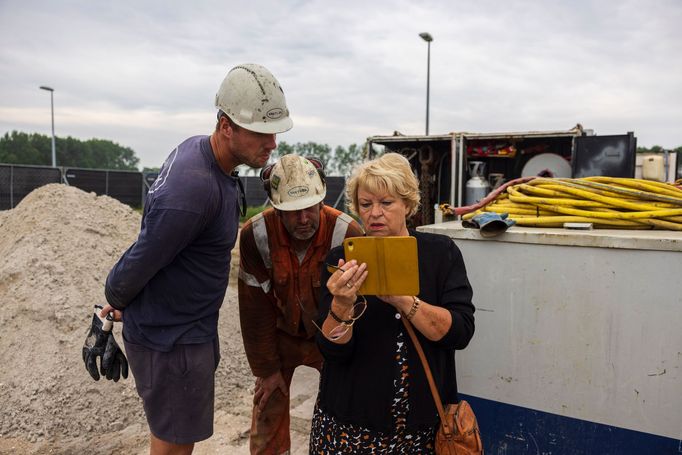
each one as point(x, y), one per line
point(171, 282)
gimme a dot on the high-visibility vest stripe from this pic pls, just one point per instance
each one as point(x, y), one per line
point(260, 233)
point(340, 229)
point(251, 280)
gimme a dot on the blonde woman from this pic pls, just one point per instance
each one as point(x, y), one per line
point(374, 396)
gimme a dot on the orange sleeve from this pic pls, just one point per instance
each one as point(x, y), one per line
point(257, 308)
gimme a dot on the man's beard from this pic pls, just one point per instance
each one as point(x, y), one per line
point(307, 235)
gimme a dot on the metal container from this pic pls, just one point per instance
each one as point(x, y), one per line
point(477, 187)
point(576, 351)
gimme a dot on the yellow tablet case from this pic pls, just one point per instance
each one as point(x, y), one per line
point(392, 266)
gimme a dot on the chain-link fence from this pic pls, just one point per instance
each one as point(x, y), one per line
point(16, 181)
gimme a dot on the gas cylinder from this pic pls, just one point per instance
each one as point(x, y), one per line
point(477, 187)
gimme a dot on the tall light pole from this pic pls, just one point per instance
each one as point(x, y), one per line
point(54, 150)
point(428, 38)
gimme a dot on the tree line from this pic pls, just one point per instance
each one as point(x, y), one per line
point(338, 161)
point(36, 149)
point(657, 149)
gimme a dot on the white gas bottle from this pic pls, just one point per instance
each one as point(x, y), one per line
point(477, 187)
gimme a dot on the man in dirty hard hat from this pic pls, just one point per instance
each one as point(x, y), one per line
point(170, 284)
point(281, 252)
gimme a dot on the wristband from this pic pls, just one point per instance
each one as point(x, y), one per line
point(337, 318)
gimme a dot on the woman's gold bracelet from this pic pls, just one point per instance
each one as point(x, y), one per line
point(415, 307)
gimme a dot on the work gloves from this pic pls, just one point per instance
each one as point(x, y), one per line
point(100, 342)
point(490, 224)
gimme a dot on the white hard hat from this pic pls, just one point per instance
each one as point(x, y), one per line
point(253, 99)
point(294, 183)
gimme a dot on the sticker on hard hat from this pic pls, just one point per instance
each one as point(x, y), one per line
point(298, 191)
point(274, 182)
point(275, 113)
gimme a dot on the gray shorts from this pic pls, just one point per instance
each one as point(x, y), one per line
point(177, 389)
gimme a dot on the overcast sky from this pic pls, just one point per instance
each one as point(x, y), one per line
point(144, 73)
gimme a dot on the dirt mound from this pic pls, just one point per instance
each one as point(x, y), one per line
point(56, 248)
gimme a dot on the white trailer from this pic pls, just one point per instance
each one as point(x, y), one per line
point(441, 162)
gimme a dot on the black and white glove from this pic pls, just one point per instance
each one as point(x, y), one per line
point(100, 342)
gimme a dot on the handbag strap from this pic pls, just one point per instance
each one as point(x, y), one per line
point(429, 376)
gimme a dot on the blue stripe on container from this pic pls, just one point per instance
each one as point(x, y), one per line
point(510, 430)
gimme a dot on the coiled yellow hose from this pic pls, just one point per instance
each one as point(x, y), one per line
point(606, 202)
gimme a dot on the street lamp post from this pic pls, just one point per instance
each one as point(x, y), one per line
point(428, 38)
point(54, 149)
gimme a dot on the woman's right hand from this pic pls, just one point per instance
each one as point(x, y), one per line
point(344, 283)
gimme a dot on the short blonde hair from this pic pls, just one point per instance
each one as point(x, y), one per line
point(390, 173)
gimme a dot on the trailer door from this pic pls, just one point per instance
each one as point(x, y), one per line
point(611, 156)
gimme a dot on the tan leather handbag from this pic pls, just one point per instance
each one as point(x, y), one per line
point(458, 433)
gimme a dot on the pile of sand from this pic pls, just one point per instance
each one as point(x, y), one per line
point(56, 248)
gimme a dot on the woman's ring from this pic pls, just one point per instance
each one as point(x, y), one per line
point(348, 285)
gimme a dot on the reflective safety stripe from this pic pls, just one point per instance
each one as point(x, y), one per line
point(340, 229)
point(253, 282)
point(260, 234)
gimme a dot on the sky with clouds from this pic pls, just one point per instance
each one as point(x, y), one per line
point(144, 73)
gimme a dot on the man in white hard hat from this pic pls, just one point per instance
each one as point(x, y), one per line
point(170, 284)
point(281, 253)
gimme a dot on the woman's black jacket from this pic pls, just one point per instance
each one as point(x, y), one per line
point(357, 377)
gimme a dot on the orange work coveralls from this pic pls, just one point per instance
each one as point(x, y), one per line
point(278, 300)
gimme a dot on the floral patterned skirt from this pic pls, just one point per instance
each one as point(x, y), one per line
point(330, 437)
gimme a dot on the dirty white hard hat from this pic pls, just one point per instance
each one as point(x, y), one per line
point(295, 183)
point(253, 99)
